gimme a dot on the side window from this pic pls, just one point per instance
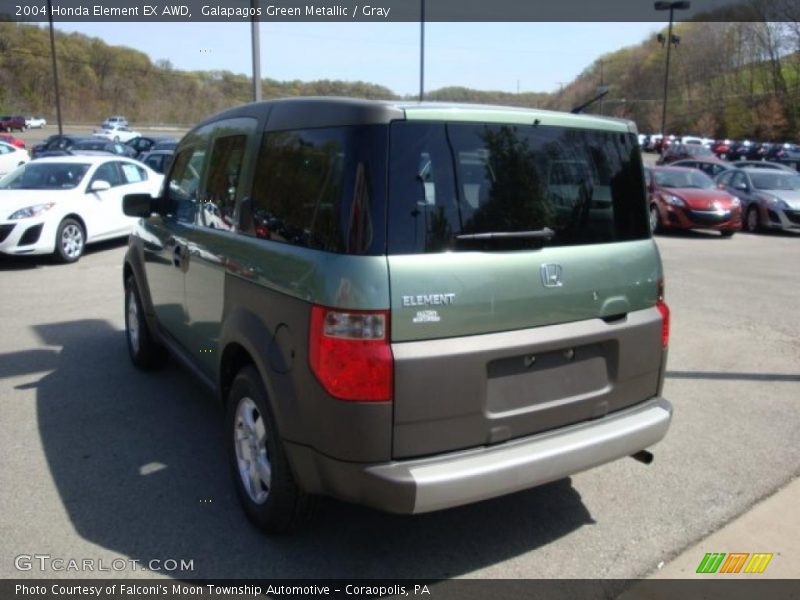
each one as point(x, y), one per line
point(132, 173)
point(108, 172)
point(738, 179)
point(298, 188)
point(725, 179)
point(183, 184)
point(224, 171)
point(154, 162)
point(5, 149)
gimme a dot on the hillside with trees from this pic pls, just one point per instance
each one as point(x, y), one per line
point(727, 79)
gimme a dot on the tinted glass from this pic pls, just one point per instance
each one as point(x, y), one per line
point(224, 168)
point(451, 180)
point(322, 189)
point(184, 181)
point(45, 176)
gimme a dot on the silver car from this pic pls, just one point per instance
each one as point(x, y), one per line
point(770, 198)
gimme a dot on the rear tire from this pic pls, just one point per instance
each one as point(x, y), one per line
point(145, 352)
point(726, 233)
point(70, 241)
point(262, 476)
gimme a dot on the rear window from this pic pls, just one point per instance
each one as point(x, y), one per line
point(449, 181)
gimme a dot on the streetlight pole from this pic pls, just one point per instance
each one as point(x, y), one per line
point(671, 7)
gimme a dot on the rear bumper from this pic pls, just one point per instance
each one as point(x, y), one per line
point(444, 481)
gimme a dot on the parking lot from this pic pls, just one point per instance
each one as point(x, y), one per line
point(103, 462)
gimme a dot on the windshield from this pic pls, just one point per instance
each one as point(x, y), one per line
point(683, 179)
point(45, 176)
point(450, 182)
point(776, 181)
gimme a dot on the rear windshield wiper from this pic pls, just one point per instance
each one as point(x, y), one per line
point(541, 234)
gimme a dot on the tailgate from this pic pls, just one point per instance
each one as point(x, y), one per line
point(494, 346)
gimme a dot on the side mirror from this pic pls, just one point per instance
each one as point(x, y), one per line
point(99, 186)
point(138, 205)
point(741, 186)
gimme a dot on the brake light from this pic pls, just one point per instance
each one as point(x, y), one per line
point(350, 355)
point(662, 307)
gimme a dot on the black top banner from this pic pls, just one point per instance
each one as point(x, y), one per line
point(143, 11)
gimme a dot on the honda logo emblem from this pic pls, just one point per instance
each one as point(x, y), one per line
point(551, 275)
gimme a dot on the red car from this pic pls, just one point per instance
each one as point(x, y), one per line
point(10, 139)
point(682, 198)
point(11, 122)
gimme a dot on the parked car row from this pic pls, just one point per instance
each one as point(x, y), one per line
point(674, 148)
point(746, 197)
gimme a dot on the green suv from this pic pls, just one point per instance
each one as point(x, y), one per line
point(406, 306)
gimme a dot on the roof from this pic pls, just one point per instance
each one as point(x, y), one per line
point(295, 113)
point(82, 158)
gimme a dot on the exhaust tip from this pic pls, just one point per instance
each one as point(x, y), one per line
point(643, 456)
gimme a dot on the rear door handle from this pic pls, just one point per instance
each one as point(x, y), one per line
point(177, 256)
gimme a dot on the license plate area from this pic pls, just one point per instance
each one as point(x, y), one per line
point(537, 381)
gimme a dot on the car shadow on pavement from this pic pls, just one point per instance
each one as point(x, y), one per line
point(732, 376)
point(138, 461)
point(23, 262)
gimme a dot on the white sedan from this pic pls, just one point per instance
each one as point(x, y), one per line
point(58, 205)
point(11, 157)
point(117, 133)
point(35, 122)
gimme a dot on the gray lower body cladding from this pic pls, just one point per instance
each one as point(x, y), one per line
point(466, 392)
point(453, 479)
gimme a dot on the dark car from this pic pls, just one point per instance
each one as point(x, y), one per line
point(681, 198)
point(745, 150)
point(58, 145)
point(145, 143)
point(678, 151)
point(165, 144)
point(10, 123)
point(405, 306)
point(712, 168)
point(770, 198)
point(785, 154)
point(102, 145)
point(158, 160)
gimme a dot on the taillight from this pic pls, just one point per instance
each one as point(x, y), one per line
point(662, 307)
point(350, 355)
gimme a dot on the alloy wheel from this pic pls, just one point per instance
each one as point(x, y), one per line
point(252, 458)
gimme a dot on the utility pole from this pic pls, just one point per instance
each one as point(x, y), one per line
point(602, 63)
point(256, 46)
point(55, 67)
point(671, 7)
point(422, 50)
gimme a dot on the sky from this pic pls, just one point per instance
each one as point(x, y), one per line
point(529, 57)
